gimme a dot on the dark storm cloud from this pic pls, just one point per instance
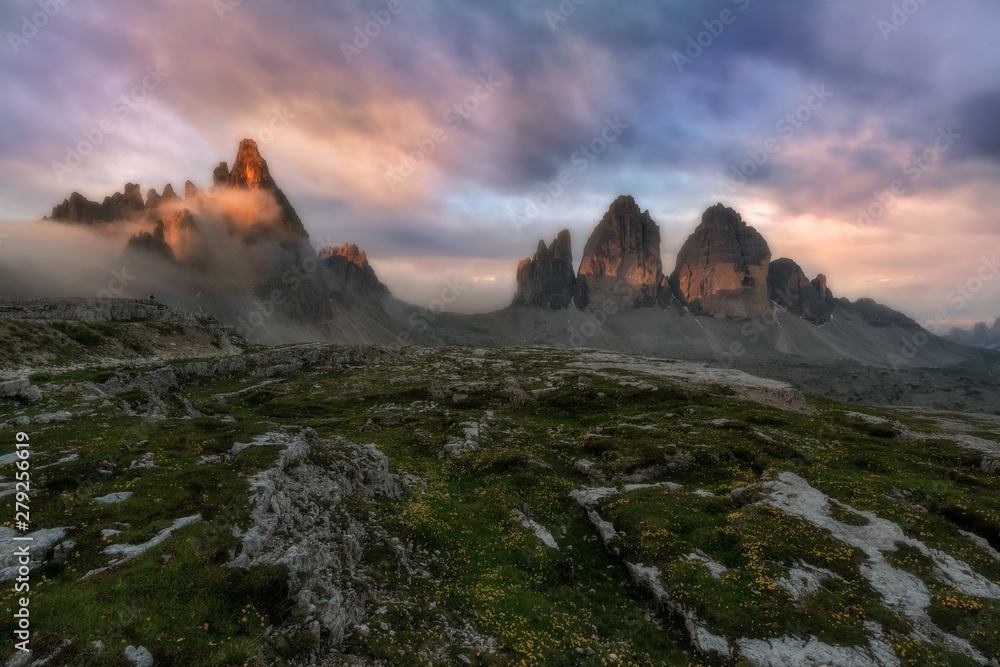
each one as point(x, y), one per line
point(360, 115)
point(979, 118)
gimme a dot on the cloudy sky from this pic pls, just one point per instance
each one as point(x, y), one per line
point(433, 133)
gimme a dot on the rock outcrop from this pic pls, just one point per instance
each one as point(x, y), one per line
point(877, 315)
point(181, 235)
point(790, 289)
point(981, 335)
point(220, 176)
point(154, 243)
point(250, 172)
point(621, 267)
point(350, 265)
point(77, 209)
point(547, 279)
point(722, 267)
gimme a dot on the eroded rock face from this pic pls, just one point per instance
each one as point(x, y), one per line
point(350, 264)
point(77, 209)
point(877, 315)
point(250, 172)
point(181, 235)
point(789, 288)
point(664, 297)
point(722, 267)
point(153, 243)
point(547, 279)
point(220, 176)
point(621, 267)
point(290, 529)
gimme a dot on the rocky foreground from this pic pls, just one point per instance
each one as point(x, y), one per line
point(361, 505)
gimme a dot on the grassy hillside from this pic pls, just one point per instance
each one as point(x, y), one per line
point(472, 547)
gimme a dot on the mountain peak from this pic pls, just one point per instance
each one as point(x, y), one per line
point(250, 172)
point(621, 267)
point(722, 268)
point(250, 169)
point(349, 252)
point(350, 264)
point(547, 280)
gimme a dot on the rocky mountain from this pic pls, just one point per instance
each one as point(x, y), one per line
point(733, 305)
point(621, 267)
point(127, 205)
point(722, 268)
point(350, 265)
point(981, 335)
point(547, 279)
point(878, 315)
point(788, 287)
point(250, 172)
point(154, 243)
point(239, 251)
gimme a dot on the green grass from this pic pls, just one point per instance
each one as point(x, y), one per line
point(574, 606)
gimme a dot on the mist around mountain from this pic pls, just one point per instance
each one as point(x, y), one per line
point(238, 250)
point(273, 461)
point(981, 335)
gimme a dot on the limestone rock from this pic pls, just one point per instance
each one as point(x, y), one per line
point(722, 267)
point(154, 243)
point(156, 203)
point(77, 209)
point(350, 265)
point(169, 195)
point(663, 296)
point(819, 282)
point(152, 204)
point(621, 267)
point(789, 288)
point(250, 172)
point(547, 280)
point(181, 235)
point(140, 657)
point(876, 314)
point(221, 174)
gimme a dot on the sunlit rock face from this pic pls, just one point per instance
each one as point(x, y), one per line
point(547, 279)
point(250, 172)
point(722, 267)
point(181, 235)
point(621, 267)
point(350, 265)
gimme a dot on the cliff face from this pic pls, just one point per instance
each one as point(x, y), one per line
point(77, 209)
point(789, 288)
point(350, 265)
point(621, 267)
point(249, 172)
point(152, 243)
point(722, 267)
point(547, 279)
